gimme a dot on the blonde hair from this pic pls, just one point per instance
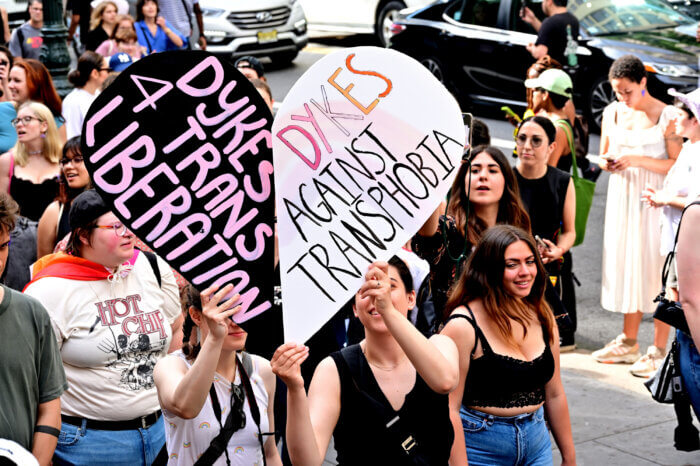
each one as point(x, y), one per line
point(96, 16)
point(52, 141)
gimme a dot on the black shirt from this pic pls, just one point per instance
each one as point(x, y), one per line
point(95, 38)
point(361, 436)
point(552, 33)
point(83, 9)
point(544, 200)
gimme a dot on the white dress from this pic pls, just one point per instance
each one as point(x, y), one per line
point(632, 261)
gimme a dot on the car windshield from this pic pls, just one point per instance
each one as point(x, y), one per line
point(601, 17)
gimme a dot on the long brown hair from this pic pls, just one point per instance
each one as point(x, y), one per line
point(510, 208)
point(482, 278)
point(39, 84)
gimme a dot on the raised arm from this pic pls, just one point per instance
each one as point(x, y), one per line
point(435, 359)
point(181, 391)
point(310, 420)
point(430, 227)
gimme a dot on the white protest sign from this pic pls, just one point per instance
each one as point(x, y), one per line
point(365, 147)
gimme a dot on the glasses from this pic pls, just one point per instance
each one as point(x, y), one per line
point(77, 160)
point(536, 141)
point(25, 120)
point(119, 228)
point(105, 69)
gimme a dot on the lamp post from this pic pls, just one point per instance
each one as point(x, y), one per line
point(54, 52)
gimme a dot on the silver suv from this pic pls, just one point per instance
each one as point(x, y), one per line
point(273, 28)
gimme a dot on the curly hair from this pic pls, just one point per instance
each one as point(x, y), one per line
point(9, 210)
point(627, 66)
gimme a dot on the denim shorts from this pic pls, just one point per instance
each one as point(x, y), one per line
point(516, 440)
point(689, 360)
point(81, 446)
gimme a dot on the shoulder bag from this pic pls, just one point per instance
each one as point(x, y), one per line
point(584, 188)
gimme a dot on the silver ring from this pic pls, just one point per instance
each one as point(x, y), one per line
point(378, 284)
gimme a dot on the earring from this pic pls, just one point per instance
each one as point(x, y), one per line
point(199, 336)
point(644, 92)
point(43, 135)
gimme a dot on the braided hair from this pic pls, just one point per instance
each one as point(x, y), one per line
point(189, 297)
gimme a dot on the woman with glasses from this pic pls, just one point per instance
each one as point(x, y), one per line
point(54, 225)
point(483, 194)
point(113, 309)
point(29, 79)
point(91, 72)
point(217, 399)
point(383, 400)
point(509, 376)
point(550, 199)
point(29, 172)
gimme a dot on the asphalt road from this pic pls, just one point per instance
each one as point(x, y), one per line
point(595, 325)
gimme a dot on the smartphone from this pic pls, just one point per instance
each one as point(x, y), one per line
point(467, 119)
point(508, 111)
point(522, 8)
point(540, 242)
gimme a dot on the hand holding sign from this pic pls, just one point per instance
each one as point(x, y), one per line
point(365, 147)
point(180, 145)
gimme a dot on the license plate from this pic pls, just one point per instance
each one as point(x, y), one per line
point(267, 36)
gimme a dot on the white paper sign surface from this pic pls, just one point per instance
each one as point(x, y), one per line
point(365, 147)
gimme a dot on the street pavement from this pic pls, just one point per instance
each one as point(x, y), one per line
point(614, 419)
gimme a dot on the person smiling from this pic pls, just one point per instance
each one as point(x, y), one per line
point(508, 357)
point(483, 194)
point(388, 393)
point(53, 224)
point(113, 310)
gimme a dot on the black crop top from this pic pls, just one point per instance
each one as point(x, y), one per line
point(499, 381)
point(370, 432)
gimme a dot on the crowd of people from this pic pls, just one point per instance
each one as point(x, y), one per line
point(447, 354)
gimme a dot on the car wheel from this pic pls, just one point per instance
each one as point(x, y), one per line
point(284, 59)
point(435, 67)
point(386, 16)
point(601, 95)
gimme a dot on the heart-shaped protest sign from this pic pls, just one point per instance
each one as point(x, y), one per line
point(366, 146)
point(180, 145)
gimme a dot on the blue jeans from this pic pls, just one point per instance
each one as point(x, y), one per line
point(689, 360)
point(81, 446)
point(516, 440)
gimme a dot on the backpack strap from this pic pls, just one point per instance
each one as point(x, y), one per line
point(153, 260)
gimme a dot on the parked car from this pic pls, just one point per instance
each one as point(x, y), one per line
point(357, 16)
point(688, 7)
point(272, 28)
point(477, 48)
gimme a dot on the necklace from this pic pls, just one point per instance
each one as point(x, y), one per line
point(34, 152)
point(386, 369)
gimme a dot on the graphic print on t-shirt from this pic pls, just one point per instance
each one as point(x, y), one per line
point(137, 339)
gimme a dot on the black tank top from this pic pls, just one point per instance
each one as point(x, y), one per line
point(544, 200)
point(33, 198)
point(361, 436)
point(499, 381)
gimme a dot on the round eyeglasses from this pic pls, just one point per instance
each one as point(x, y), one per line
point(119, 228)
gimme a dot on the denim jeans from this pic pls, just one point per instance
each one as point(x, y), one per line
point(81, 446)
point(689, 360)
point(516, 440)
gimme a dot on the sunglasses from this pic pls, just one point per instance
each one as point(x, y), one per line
point(535, 141)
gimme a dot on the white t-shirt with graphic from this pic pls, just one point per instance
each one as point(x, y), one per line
point(111, 334)
point(187, 439)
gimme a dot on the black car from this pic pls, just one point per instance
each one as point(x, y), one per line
point(477, 48)
point(687, 7)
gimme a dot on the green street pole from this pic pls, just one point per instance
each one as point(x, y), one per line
point(54, 52)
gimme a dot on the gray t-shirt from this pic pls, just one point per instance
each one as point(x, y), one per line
point(26, 41)
point(31, 370)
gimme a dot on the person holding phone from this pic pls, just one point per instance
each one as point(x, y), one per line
point(639, 145)
point(550, 199)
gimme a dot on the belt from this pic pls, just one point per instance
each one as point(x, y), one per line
point(143, 422)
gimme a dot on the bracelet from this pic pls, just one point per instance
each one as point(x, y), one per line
point(47, 430)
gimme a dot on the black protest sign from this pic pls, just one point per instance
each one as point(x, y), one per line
point(180, 145)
